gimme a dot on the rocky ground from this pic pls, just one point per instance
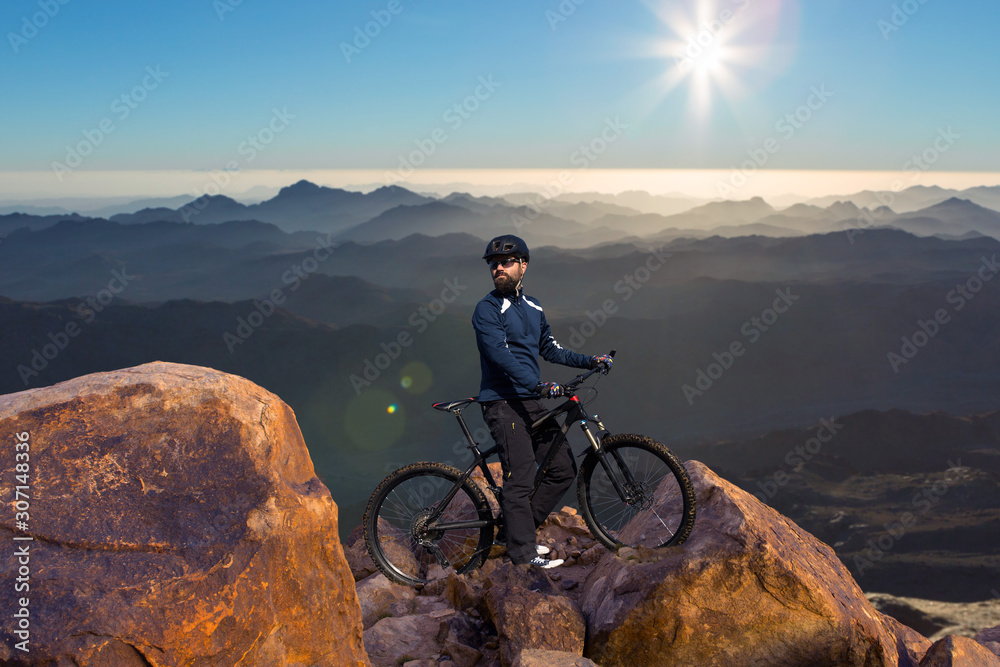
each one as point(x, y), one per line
point(750, 577)
point(460, 630)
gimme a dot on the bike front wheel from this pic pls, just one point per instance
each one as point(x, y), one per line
point(419, 516)
point(636, 493)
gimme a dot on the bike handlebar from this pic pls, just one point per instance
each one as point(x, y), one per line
point(582, 377)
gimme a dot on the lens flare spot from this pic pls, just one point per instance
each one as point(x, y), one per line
point(416, 377)
point(374, 420)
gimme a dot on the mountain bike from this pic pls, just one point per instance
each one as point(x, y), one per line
point(632, 491)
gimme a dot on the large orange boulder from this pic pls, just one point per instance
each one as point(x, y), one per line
point(174, 519)
point(749, 587)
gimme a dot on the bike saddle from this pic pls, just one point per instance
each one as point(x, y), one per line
point(448, 406)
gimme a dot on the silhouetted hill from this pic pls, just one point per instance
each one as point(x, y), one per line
point(729, 212)
point(14, 221)
point(637, 200)
point(475, 204)
point(301, 206)
point(569, 207)
point(169, 260)
point(729, 218)
point(438, 218)
point(305, 205)
point(166, 203)
point(953, 216)
point(915, 197)
point(433, 219)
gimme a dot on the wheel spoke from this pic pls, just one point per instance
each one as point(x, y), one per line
point(401, 509)
point(659, 507)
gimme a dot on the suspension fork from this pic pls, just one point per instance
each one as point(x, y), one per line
point(602, 456)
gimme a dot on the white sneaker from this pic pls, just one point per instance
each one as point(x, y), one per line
point(541, 549)
point(545, 563)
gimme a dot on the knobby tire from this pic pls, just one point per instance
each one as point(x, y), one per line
point(662, 511)
point(399, 504)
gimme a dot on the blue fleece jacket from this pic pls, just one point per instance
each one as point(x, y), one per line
point(511, 333)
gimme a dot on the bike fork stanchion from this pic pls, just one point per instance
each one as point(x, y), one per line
point(602, 457)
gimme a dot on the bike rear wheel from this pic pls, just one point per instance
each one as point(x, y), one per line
point(408, 531)
point(658, 507)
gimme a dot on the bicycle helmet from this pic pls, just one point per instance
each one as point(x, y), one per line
point(508, 244)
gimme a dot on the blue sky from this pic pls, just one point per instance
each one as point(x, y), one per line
point(557, 81)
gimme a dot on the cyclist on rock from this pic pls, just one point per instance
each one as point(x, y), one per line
point(511, 331)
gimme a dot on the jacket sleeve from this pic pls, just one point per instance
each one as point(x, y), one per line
point(492, 342)
point(555, 353)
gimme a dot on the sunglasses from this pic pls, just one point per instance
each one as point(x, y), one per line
point(505, 263)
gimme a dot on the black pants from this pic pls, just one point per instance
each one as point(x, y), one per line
point(509, 422)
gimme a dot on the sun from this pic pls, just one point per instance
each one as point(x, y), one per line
point(708, 46)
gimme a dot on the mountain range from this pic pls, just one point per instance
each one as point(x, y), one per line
point(568, 220)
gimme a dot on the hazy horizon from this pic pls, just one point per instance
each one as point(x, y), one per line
point(776, 186)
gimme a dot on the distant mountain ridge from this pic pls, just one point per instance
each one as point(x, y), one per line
point(317, 203)
point(300, 206)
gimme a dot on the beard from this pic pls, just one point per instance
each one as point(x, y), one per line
point(505, 285)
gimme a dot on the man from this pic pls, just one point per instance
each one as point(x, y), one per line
point(511, 332)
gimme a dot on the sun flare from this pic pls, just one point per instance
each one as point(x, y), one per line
point(710, 47)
